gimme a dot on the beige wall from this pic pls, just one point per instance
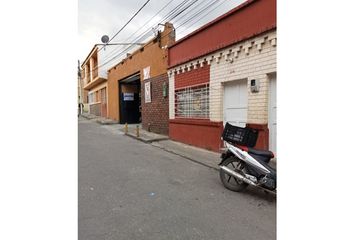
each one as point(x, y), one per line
point(251, 59)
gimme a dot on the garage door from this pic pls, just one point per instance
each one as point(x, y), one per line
point(272, 114)
point(235, 102)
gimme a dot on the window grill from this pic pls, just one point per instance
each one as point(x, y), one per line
point(192, 102)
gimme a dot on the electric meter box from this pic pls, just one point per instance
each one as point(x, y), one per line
point(254, 85)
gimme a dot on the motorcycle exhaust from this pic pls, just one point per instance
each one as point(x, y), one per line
point(244, 179)
point(238, 176)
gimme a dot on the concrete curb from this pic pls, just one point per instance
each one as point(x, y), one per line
point(186, 157)
point(146, 140)
point(178, 153)
point(106, 122)
point(89, 117)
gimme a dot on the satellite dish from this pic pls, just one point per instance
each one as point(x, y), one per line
point(105, 39)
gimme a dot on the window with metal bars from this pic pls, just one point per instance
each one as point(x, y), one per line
point(192, 102)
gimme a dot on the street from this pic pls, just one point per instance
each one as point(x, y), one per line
point(133, 190)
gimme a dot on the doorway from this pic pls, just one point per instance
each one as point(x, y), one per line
point(130, 99)
point(235, 102)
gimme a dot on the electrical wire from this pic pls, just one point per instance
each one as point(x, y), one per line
point(146, 33)
point(170, 16)
point(139, 28)
point(127, 22)
point(202, 17)
point(170, 19)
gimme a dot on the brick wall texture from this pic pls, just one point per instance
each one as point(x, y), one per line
point(156, 112)
point(194, 77)
point(95, 109)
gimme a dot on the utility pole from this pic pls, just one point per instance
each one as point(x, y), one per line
point(80, 87)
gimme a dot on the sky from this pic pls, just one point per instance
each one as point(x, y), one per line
point(106, 17)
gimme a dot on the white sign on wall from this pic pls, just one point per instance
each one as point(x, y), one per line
point(128, 96)
point(147, 92)
point(146, 72)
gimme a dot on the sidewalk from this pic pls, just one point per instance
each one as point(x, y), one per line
point(144, 136)
point(201, 156)
point(100, 120)
point(198, 155)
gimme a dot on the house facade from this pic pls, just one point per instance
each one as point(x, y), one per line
point(224, 72)
point(94, 79)
point(138, 85)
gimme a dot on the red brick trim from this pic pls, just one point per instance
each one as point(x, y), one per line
point(197, 132)
point(193, 77)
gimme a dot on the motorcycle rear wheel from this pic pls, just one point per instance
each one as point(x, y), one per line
point(231, 182)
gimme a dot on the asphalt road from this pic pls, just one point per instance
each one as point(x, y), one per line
point(132, 190)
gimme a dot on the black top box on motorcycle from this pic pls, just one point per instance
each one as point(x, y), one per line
point(241, 136)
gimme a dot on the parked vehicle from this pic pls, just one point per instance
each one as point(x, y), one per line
point(242, 165)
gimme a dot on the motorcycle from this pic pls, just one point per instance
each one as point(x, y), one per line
point(242, 165)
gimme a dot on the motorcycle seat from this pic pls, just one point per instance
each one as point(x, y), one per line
point(264, 153)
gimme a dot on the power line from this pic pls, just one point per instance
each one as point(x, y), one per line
point(146, 33)
point(203, 16)
point(163, 8)
point(170, 16)
point(169, 19)
point(128, 22)
point(173, 14)
point(199, 12)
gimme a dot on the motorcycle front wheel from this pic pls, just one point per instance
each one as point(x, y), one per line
point(229, 181)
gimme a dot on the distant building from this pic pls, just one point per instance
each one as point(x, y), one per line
point(225, 72)
point(81, 93)
point(94, 79)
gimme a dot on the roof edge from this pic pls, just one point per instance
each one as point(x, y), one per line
point(89, 55)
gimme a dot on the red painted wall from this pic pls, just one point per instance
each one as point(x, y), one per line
point(199, 133)
point(193, 77)
point(245, 21)
point(206, 134)
point(263, 135)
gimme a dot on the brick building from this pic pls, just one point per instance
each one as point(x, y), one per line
point(224, 72)
point(138, 85)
